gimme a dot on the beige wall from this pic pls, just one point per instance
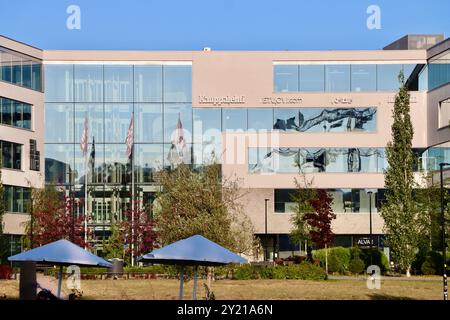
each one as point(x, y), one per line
point(24, 177)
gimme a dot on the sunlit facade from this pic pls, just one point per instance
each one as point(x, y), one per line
point(264, 116)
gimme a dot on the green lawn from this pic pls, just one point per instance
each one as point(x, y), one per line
point(250, 289)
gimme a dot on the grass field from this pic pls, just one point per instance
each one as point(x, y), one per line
point(250, 289)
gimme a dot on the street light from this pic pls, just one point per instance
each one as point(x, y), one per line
point(370, 223)
point(266, 250)
point(444, 275)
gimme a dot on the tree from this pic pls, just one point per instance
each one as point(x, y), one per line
point(145, 236)
point(400, 213)
point(320, 220)
point(302, 197)
point(113, 247)
point(202, 202)
point(53, 219)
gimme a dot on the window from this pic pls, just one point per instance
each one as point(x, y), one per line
point(337, 78)
point(286, 119)
point(94, 114)
point(117, 121)
point(283, 200)
point(59, 163)
point(387, 77)
point(6, 68)
point(148, 122)
point(88, 83)
point(118, 83)
point(11, 155)
point(59, 83)
point(207, 136)
point(364, 77)
point(59, 125)
point(312, 78)
point(15, 113)
point(16, 199)
point(260, 119)
point(234, 119)
point(26, 74)
point(19, 69)
point(174, 113)
point(444, 113)
point(148, 161)
point(285, 78)
point(148, 83)
point(177, 83)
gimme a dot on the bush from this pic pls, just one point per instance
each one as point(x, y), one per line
point(245, 272)
point(378, 258)
point(303, 271)
point(5, 272)
point(356, 265)
point(338, 258)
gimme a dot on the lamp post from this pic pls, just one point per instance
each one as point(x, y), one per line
point(266, 249)
point(444, 274)
point(370, 224)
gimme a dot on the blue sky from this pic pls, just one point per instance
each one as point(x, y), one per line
point(219, 24)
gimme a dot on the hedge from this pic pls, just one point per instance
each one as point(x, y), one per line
point(303, 271)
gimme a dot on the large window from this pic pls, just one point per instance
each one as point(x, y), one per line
point(444, 113)
point(337, 78)
point(11, 155)
point(260, 119)
point(177, 83)
point(344, 200)
point(148, 122)
point(15, 113)
point(88, 83)
point(207, 136)
point(59, 83)
point(148, 83)
point(118, 83)
point(349, 77)
point(59, 124)
point(234, 119)
point(309, 160)
point(16, 199)
point(19, 69)
point(285, 78)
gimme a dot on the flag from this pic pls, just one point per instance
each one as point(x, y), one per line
point(91, 162)
point(84, 137)
point(178, 152)
point(129, 141)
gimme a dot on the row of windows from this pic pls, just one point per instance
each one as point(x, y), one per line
point(344, 200)
point(20, 70)
point(438, 74)
point(291, 160)
point(343, 77)
point(65, 163)
point(118, 83)
point(16, 199)
point(15, 113)
point(11, 155)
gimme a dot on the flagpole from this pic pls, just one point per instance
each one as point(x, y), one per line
point(132, 204)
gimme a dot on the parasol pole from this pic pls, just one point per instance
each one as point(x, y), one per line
point(181, 282)
point(195, 283)
point(58, 293)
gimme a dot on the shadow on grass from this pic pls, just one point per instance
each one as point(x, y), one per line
point(383, 296)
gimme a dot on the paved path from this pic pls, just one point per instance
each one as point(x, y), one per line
point(386, 278)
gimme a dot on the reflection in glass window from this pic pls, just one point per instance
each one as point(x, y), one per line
point(26, 74)
point(118, 83)
point(117, 121)
point(260, 118)
point(36, 72)
point(15, 113)
point(364, 77)
point(234, 119)
point(148, 161)
point(59, 163)
point(444, 113)
point(59, 83)
point(6, 69)
point(387, 77)
point(312, 78)
point(94, 114)
point(285, 78)
point(148, 122)
point(172, 113)
point(16, 65)
point(325, 119)
point(59, 122)
point(207, 135)
point(148, 83)
point(177, 83)
point(337, 78)
point(116, 168)
point(88, 83)
point(308, 160)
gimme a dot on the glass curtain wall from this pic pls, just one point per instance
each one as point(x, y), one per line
point(107, 96)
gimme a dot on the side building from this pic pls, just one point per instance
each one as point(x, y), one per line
point(21, 133)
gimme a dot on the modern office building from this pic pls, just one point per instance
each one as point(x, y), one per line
point(264, 115)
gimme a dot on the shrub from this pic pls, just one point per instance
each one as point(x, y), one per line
point(356, 265)
point(5, 272)
point(245, 272)
point(428, 267)
point(378, 258)
point(303, 271)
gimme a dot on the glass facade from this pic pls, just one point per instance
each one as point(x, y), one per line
point(11, 155)
point(20, 70)
point(291, 160)
point(107, 96)
point(343, 77)
point(15, 113)
point(439, 71)
point(16, 199)
point(344, 200)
